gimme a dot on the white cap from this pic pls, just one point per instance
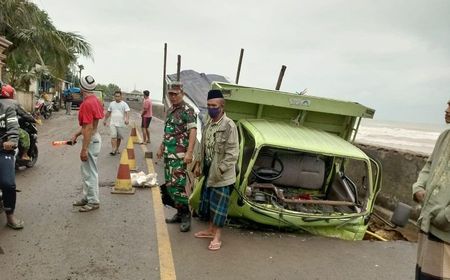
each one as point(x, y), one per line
point(88, 83)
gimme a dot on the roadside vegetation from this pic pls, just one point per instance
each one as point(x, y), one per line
point(39, 50)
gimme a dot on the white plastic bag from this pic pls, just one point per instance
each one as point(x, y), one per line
point(143, 180)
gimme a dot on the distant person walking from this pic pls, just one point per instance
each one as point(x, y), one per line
point(217, 162)
point(146, 114)
point(180, 132)
point(91, 111)
point(68, 98)
point(120, 116)
point(432, 190)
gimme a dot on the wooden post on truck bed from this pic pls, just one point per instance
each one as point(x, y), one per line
point(239, 66)
point(178, 68)
point(280, 77)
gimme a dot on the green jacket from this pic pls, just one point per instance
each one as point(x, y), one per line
point(222, 171)
point(434, 178)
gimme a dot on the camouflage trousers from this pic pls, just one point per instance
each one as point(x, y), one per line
point(175, 177)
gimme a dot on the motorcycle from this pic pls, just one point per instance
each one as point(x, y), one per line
point(55, 104)
point(44, 108)
point(30, 127)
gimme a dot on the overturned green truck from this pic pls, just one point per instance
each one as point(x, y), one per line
point(297, 165)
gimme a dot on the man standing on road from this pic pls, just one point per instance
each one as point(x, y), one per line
point(177, 147)
point(217, 162)
point(9, 139)
point(91, 111)
point(146, 115)
point(119, 112)
point(432, 190)
point(68, 97)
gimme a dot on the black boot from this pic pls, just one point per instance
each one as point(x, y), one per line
point(175, 219)
point(185, 221)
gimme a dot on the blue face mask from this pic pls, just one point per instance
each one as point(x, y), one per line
point(213, 112)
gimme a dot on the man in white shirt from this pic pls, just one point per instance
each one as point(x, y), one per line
point(119, 113)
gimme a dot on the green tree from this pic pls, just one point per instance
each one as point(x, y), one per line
point(36, 41)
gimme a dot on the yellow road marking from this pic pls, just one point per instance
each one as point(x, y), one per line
point(166, 265)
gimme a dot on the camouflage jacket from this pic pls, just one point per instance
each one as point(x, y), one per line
point(179, 121)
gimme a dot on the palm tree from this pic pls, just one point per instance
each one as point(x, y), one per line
point(37, 41)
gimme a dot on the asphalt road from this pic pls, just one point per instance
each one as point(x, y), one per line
point(127, 238)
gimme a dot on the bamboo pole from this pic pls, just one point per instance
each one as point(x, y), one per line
point(239, 66)
point(280, 77)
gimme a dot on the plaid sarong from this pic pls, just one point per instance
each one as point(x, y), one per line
point(433, 258)
point(214, 204)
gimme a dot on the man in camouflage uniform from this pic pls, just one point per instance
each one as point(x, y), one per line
point(180, 132)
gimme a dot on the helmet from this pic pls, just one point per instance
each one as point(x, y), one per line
point(7, 91)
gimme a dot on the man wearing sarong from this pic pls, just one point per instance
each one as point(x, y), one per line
point(432, 190)
point(180, 132)
point(217, 162)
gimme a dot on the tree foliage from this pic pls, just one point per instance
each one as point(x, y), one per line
point(38, 46)
point(108, 90)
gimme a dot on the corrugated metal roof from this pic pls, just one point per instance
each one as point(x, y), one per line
point(276, 133)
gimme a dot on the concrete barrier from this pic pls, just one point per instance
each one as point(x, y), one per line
point(400, 171)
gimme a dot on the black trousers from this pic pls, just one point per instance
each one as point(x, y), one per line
point(8, 180)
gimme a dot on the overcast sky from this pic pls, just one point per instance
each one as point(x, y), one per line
point(392, 55)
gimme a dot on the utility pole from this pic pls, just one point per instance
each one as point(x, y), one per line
point(164, 76)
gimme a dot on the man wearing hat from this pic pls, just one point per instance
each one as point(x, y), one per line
point(91, 111)
point(217, 162)
point(432, 190)
point(179, 138)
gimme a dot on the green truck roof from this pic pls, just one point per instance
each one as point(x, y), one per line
point(300, 138)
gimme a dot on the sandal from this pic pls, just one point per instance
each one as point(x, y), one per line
point(89, 207)
point(19, 224)
point(215, 246)
point(80, 202)
point(203, 234)
point(112, 153)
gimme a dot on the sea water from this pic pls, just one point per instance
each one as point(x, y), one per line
point(402, 136)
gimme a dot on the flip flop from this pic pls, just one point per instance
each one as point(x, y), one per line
point(16, 226)
point(203, 234)
point(215, 246)
point(112, 153)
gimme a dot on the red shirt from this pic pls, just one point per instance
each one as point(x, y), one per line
point(91, 109)
point(148, 108)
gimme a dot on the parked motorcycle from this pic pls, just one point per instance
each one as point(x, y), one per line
point(44, 108)
point(30, 127)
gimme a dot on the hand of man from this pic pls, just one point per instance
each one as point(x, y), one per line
point(83, 155)
point(9, 146)
point(188, 157)
point(126, 122)
point(420, 196)
point(197, 170)
point(74, 138)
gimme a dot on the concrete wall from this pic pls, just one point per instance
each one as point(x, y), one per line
point(26, 99)
point(400, 171)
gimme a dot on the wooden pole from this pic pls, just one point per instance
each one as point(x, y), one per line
point(164, 75)
point(178, 68)
point(239, 66)
point(280, 77)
